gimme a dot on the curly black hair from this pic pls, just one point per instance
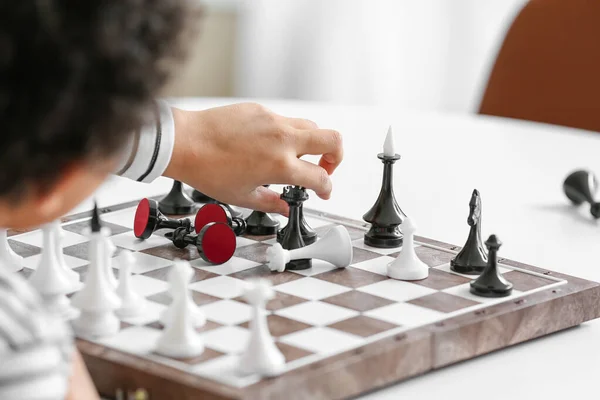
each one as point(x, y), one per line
point(77, 77)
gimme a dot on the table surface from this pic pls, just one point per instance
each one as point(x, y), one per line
point(518, 167)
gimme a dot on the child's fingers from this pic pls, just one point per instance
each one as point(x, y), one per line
point(301, 123)
point(310, 176)
point(322, 141)
point(265, 200)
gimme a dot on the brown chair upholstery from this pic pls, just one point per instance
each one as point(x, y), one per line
point(548, 67)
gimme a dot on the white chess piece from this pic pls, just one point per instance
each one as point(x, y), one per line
point(132, 303)
point(261, 356)
point(407, 266)
point(388, 145)
point(50, 280)
point(97, 301)
point(180, 339)
point(59, 235)
point(182, 298)
point(110, 252)
point(334, 247)
point(9, 260)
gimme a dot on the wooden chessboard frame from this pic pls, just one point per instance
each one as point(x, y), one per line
point(374, 365)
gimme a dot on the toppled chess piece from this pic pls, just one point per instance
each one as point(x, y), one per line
point(180, 339)
point(292, 236)
point(216, 242)
point(580, 187)
point(335, 247)
point(261, 357)
point(385, 216)
point(98, 300)
point(491, 283)
point(214, 212)
point(407, 266)
point(132, 303)
point(148, 219)
point(177, 202)
point(472, 259)
point(9, 260)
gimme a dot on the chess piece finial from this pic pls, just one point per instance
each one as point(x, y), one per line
point(388, 145)
point(581, 187)
point(472, 259)
point(491, 283)
point(96, 226)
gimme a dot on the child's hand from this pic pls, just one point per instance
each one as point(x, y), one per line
point(229, 152)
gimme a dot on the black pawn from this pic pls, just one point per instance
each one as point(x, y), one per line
point(309, 236)
point(491, 283)
point(580, 187)
point(472, 259)
point(259, 223)
point(148, 219)
point(200, 197)
point(177, 202)
point(385, 216)
point(292, 238)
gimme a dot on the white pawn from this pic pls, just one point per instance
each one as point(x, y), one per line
point(261, 357)
point(132, 303)
point(97, 301)
point(73, 276)
point(182, 298)
point(9, 260)
point(407, 266)
point(110, 252)
point(180, 339)
point(335, 247)
point(50, 280)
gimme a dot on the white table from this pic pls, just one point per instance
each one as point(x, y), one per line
point(519, 168)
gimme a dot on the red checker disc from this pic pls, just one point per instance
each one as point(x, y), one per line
point(218, 242)
point(142, 214)
point(209, 213)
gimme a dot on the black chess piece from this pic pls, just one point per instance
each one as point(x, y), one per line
point(581, 187)
point(148, 219)
point(292, 237)
point(177, 202)
point(215, 243)
point(472, 259)
point(217, 212)
point(200, 197)
point(96, 226)
point(385, 216)
point(261, 224)
point(491, 283)
point(309, 236)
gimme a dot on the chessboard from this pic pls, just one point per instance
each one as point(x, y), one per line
point(343, 332)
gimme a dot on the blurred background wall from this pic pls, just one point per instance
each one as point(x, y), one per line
point(425, 54)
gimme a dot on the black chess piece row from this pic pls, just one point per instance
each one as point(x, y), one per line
point(178, 202)
point(213, 231)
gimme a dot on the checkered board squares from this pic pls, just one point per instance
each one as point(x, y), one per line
point(315, 313)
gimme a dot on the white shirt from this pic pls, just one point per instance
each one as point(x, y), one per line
point(149, 151)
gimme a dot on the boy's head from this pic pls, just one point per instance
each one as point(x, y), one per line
point(76, 79)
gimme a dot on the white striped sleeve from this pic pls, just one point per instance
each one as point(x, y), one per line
point(35, 347)
point(149, 150)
